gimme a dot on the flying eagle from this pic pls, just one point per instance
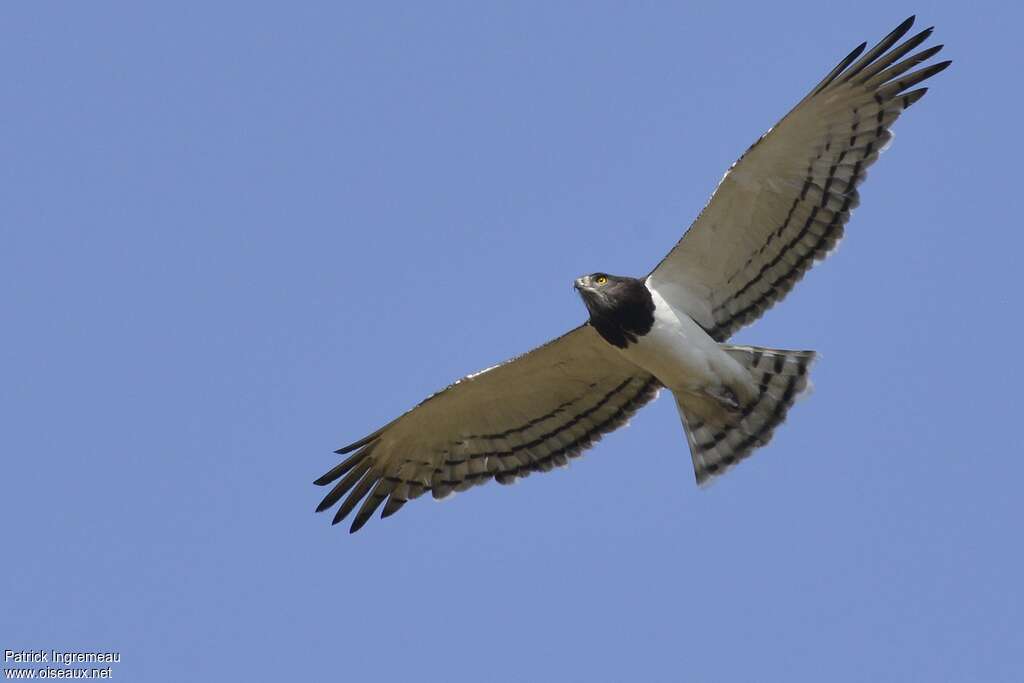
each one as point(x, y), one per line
point(782, 206)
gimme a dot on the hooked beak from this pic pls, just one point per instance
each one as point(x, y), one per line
point(585, 289)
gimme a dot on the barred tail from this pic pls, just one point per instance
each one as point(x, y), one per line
point(720, 437)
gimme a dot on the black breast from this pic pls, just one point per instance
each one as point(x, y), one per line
point(621, 311)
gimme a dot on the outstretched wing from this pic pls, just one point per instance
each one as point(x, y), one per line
point(785, 203)
point(531, 413)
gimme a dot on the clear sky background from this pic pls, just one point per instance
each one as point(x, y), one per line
point(236, 237)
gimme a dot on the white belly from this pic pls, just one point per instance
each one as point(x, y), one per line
point(681, 354)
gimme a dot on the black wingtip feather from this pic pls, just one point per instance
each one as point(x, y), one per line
point(331, 475)
point(854, 54)
point(343, 486)
point(898, 32)
point(366, 511)
point(362, 442)
point(911, 97)
point(839, 68)
point(360, 490)
point(346, 465)
point(923, 74)
point(373, 501)
point(910, 43)
point(393, 506)
point(930, 52)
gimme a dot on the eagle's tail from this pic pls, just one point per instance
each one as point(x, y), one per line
point(721, 436)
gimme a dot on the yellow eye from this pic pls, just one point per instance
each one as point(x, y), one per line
point(600, 279)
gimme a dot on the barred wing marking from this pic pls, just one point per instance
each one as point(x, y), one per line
point(785, 203)
point(531, 413)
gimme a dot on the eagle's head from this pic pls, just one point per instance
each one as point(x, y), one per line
point(621, 308)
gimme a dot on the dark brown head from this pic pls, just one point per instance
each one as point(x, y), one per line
point(621, 308)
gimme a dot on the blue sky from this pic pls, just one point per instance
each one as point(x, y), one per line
point(237, 237)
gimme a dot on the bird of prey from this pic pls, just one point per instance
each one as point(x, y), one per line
point(782, 206)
